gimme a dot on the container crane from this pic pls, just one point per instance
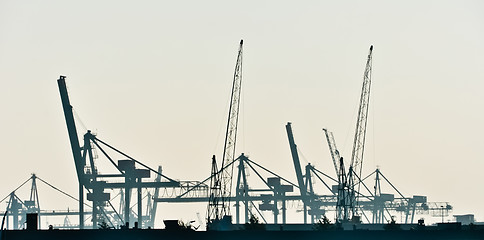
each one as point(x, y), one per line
point(221, 186)
point(95, 183)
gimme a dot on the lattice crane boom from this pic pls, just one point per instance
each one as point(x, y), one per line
point(220, 199)
point(333, 150)
point(360, 133)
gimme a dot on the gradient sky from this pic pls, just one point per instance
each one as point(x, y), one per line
point(153, 78)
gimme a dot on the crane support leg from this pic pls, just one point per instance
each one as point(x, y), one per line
point(127, 210)
point(140, 204)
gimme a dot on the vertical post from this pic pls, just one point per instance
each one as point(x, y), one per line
point(246, 208)
point(308, 184)
point(305, 210)
point(127, 211)
point(140, 205)
point(237, 195)
point(275, 210)
point(283, 208)
point(442, 208)
point(81, 206)
point(237, 210)
point(245, 194)
point(377, 202)
point(413, 213)
point(94, 212)
point(14, 209)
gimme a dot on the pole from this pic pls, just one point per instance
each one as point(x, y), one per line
point(140, 211)
point(127, 211)
point(81, 206)
point(442, 209)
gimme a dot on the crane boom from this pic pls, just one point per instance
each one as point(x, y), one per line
point(360, 133)
point(75, 147)
point(71, 128)
point(333, 150)
point(219, 205)
point(231, 134)
point(297, 164)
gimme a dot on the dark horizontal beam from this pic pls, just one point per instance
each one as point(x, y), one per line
point(109, 175)
point(106, 185)
point(328, 199)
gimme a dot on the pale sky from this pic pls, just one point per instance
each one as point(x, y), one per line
point(153, 78)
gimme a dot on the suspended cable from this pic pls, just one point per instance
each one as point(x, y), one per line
point(373, 125)
point(76, 116)
point(68, 195)
point(21, 185)
point(221, 123)
point(299, 150)
point(125, 155)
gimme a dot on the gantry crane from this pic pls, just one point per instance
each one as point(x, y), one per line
point(18, 208)
point(221, 186)
point(96, 183)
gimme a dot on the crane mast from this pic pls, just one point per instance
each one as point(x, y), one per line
point(359, 142)
point(219, 205)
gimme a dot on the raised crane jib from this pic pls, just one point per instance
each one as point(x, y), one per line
point(333, 150)
point(71, 129)
point(231, 138)
point(360, 133)
point(297, 164)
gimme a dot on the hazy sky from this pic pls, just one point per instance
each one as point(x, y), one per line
point(153, 78)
